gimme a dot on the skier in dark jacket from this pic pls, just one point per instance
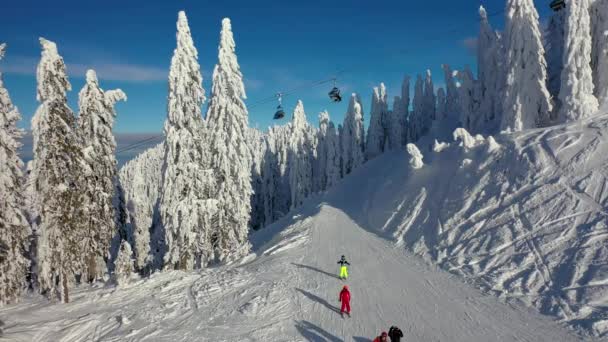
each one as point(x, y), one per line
point(343, 268)
point(395, 334)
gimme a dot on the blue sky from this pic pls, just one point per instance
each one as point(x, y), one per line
point(280, 45)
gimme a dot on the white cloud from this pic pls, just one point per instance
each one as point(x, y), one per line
point(111, 71)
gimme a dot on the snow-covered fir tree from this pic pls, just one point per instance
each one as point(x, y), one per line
point(441, 104)
point(124, 263)
point(333, 165)
point(527, 102)
point(320, 166)
point(599, 51)
point(394, 125)
point(352, 137)
point(258, 150)
point(405, 107)
point(376, 132)
point(300, 157)
point(141, 181)
point(186, 204)
point(469, 101)
point(489, 68)
point(227, 125)
point(95, 123)
point(576, 97)
point(430, 102)
point(57, 180)
point(416, 120)
point(451, 96)
point(554, 43)
point(14, 228)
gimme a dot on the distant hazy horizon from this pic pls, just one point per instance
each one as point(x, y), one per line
point(136, 142)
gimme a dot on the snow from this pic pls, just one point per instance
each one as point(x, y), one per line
point(416, 156)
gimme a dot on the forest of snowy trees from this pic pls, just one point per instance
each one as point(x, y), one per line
point(70, 217)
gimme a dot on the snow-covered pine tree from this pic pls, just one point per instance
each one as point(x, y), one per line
point(416, 120)
point(451, 97)
point(395, 124)
point(376, 132)
point(554, 42)
point(576, 96)
point(320, 166)
point(141, 181)
point(57, 177)
point(430, 102)
point(227, 125)
point(405, 107)
point(258, 149)
point(14, 228)
point(95, 123)
point(441, 104)
point(469, 101)
point(300, 157)
point(333, 165)
point(186, 204)
point(352, 137)
point(124, 263)
point(489, 68)
point(527, 102)
point(599, 51)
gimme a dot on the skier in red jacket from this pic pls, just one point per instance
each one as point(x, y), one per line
point(382, 338)
point(345, 299)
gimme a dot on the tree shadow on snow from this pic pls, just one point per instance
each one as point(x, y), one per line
point(319, 300)
point(315, 333)
point(361, 339)
point(316, 270)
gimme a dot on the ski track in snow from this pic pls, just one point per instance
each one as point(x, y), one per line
point(526, 223)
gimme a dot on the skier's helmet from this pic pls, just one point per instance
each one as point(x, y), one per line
point(343, 257)
point(384, 334)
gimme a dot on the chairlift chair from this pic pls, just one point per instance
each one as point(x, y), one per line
point(557, 5)
point(280, 113)
point(334, 93)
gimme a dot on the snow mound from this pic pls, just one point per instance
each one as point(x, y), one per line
point(416, 156)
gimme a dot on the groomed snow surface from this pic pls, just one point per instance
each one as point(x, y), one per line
point(521, 216)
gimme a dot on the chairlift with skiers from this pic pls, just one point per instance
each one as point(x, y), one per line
point(334, 94)
point(280, 113)
point(557, 5)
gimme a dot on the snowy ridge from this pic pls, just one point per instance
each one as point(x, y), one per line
point(526, 219)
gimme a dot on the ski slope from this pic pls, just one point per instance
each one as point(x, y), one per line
point(289, 292)
point(520, 226)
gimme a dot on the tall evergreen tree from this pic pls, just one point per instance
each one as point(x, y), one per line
point(405, 107)
point(441, 109)
point(14, 228)
point(554, 42)
point(527, 102)
point(576, 92)
point(333, 165)
point(300, 157)
point(352, 137)
point(416, 120)
point(395, 124)
point(57, 178)
point(320, 168)
point(469, 101)
point(95, 132)
point(376, 133)
point(452, 105)
point(185, 203)
point(430, 102)
point(489, 68)
point(599, 55)
point(227, 121)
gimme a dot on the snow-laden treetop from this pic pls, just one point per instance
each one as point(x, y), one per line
point(483, 14)
point(2, 50)
point(228, 61)
point(299, 116)
point(51, 64)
